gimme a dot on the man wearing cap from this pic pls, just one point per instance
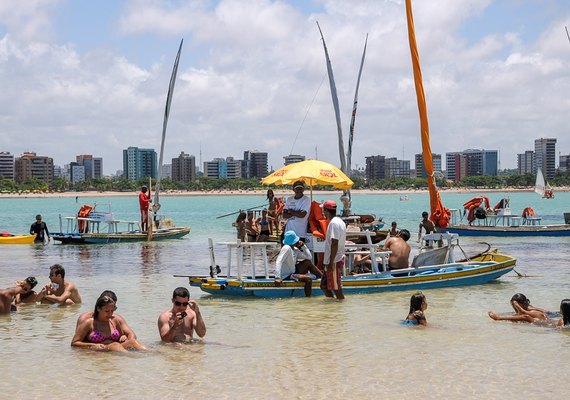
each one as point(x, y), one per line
point(334, 252)
point(297, 210)
point(294, 262)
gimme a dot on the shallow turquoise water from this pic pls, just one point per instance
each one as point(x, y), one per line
point(288, 348)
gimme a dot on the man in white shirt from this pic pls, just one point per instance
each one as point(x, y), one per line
point(334, 252)
point(294, 262)
point(296, 211)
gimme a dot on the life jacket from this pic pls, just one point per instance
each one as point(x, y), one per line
point(83, 226)
point(528, 212)
point(318, 224)
point(504, 203)
point(473, 204)
point(441, 217)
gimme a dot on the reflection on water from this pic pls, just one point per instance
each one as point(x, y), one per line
point(284, 348)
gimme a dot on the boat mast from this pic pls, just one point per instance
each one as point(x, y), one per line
point(156, 205)
point(335, 104)
point(346, 197)
point(439, 214)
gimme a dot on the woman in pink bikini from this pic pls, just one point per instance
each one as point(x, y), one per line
point(105, 332)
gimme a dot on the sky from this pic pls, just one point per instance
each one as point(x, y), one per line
point(86, 77)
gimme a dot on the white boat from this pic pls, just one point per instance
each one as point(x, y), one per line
point(541, 187)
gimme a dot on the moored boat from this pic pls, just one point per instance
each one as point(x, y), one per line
point(439, 270)
point(16, 239)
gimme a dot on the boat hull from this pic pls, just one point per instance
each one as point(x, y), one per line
point(120, 237)
point(17, 239)
point(523, 230)
point(482, 270)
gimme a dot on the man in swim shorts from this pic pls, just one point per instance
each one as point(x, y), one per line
point(334, 252)
point(178, 323)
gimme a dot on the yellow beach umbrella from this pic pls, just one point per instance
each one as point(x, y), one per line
point(312, 172)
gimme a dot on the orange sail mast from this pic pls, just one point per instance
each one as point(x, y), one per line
point(439, 214)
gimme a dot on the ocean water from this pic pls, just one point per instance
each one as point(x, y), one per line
point(302, 348)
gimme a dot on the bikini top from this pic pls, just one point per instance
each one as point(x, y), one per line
point(97, 337)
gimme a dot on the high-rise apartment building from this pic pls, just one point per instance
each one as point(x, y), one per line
point(293, 158)
point(7, 165)
point(525, 162)
point(32, 166)
point(184, 168)
point(375, 167)
point(471, 162)
point(564, 163)
point(220, 168)
point(254, 164)
point(139, 163)
point(420, 166)
point(397, 168)
point(545, 156)
point(93, 166)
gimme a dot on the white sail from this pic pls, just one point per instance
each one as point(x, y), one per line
point(540, 185)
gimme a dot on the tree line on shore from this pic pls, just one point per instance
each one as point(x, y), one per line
point(61, 184)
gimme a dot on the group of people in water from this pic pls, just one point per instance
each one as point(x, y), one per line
point(524, 312)
point(102, 328)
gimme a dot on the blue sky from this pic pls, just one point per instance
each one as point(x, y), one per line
point(91, 77)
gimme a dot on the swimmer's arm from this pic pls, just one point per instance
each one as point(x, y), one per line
point(124, 328)
point(52, 298)
point(81, 333)
point(165, 329)
point(199, 324)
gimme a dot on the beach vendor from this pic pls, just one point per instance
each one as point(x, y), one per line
point(40, 229)
point(294, 262)
point(296, 211)
point(144, 203)
point(178, 323)
point(334, 252)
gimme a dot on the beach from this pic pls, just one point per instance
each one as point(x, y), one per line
point(262, 192)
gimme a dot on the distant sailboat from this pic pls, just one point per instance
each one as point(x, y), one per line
point(541, 187)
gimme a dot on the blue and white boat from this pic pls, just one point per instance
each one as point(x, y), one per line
point(432, 268)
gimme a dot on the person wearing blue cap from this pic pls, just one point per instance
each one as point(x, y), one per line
point(294, 262)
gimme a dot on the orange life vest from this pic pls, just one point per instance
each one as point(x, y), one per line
point(318, 224)
point(528, 212)
point(83, 226)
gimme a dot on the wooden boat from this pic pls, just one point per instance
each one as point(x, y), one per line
point(500, 221)
point(438, 270)
point(101, 227)
point(16, 239)
point(85, 228)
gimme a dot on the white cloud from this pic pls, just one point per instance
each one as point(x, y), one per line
point(250, 69)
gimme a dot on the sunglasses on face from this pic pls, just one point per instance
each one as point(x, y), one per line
point(178, 303)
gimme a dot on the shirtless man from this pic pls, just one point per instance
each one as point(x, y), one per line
point(30, 297)
point(425, 224)
point(129, 333)
point(179, 323)
point(7, 295)
point(400, 250)
point(59, 291)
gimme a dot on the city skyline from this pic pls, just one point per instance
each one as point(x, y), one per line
point(94, 76)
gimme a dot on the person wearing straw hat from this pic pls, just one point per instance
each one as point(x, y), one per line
point(294, 262)
point(335, 239)
point(297, 210)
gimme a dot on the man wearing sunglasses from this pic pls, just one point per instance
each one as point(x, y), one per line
point(179, 323)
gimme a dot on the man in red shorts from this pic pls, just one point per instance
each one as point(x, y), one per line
point(334, 252)
point(144, 201)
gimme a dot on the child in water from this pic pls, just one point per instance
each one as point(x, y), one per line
point(524, 311)
point(564, 321)
point(416, 316)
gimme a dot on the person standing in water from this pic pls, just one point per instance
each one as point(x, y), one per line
point(40, 229)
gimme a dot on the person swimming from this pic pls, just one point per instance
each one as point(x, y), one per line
point(416, 315)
